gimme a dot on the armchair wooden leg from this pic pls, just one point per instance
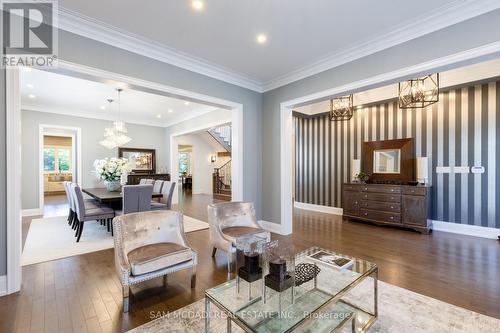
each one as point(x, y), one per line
point(165, 280)
point(126, 291)
point(213, 251)
point(229, 262)
point(193, 277)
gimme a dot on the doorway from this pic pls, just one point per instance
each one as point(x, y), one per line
point(59, 161)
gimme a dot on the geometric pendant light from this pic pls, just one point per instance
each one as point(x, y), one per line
point(419, 92)
point(341, 108)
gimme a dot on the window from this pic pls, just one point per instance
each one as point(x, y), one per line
point(184, 163)
point(56, 159)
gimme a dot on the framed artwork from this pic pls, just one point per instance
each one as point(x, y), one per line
point(142, 160)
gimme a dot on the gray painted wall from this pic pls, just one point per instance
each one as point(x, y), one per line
point(88, 52)
point(460, 130)
point(473, 33)
point(92, 132)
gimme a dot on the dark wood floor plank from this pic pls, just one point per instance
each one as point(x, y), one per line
point(83, 293)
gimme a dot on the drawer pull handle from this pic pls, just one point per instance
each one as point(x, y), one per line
point(392, 190)
point(355, 202)
point(392, 217)
point(392, 198)
point(392, 207)
point(366, 214)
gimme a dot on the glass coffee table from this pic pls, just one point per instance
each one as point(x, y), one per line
point(336, 300)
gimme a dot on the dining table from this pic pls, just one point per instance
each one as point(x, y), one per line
point(113, 199)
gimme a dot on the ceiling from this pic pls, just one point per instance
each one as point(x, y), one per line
point(57, 93)
point(303, 37)
point(455, 77)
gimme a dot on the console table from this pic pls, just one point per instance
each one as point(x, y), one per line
point(134, 178)
point(399, 205)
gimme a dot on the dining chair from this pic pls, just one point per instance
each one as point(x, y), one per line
point(145, 181)
point(136, 198)
point(85, 213)
point(150, 245)
point(71, 212)
point(167, 192)
point(229, 221)
point(89, 204)
point(157, 186)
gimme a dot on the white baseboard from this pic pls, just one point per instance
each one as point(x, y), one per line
point(465, 229)
point(319, 208)
point(456, 228)
point(32, 212)
point(273, 227)
point(3, 285)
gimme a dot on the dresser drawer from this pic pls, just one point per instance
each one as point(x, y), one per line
point(381, 189)
point(381, 206)
point(380, 216)
point(414, 190)
point(381, 197)
point(351, 188)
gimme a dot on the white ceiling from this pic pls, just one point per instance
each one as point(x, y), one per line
point(303, 37)
point(68, 95)
point(455, 77)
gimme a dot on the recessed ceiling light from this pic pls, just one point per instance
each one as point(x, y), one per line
point(197, 4)
point(29, 85)
point(31, 96)
point(186, 103)
point(158, 116)
point(261, 38)
point(103, 107)
point(170, 110)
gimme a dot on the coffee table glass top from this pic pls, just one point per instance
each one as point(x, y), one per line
point(330, 283)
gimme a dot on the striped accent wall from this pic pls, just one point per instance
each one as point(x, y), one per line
point(462, 129)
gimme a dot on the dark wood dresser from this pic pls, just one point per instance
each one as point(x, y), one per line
point(399, 205)
point(135, 178)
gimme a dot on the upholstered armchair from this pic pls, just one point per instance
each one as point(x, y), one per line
point(149, 245)
point(229, 221)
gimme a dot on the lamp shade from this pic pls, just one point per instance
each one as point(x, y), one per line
point(355, 168)
point(422, 170)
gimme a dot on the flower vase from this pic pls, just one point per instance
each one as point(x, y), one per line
point(112, 185)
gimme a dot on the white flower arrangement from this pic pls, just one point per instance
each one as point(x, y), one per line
point(112, 169)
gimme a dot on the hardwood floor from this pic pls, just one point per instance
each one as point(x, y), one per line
point(82, 293)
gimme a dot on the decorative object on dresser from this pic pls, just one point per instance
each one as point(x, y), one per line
point(142, 160)
point(389, 161)
point(399, 205)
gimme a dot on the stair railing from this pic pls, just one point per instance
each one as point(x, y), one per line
point(222, 177)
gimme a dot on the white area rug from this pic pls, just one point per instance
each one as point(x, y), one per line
point(400, 311)
point(52, 238)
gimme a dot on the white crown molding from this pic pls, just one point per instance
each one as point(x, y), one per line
point(88, 27)
point(109, 117)
point(458, 11)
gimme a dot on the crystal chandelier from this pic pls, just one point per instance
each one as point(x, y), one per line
point(341, 108)
point(115, 136)
point(419, 92)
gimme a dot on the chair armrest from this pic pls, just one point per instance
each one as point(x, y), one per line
point(121, 262)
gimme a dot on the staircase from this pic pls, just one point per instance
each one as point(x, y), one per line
point(222, 135)
point(222, 182)
point(221, 177)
